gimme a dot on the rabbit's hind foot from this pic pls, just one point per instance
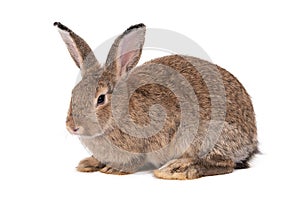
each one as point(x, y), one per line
point(188, 168)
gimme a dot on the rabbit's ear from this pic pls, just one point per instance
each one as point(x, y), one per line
point(78, 48)
point(126, 50)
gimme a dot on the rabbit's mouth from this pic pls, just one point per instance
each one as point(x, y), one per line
point(87, 135)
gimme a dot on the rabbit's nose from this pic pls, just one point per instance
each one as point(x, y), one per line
point(75, 130)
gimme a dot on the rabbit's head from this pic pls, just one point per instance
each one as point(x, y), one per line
point(90, 111)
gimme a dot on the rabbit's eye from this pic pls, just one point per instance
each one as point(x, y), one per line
point(101, 99)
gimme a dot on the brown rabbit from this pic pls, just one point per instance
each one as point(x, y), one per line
point(183, 116)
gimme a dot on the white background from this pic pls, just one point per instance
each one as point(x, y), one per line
point(257, 41)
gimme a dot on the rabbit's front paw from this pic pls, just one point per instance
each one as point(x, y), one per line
point(109, 170)
point(89, 164)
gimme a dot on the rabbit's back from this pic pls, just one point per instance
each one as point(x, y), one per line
point(239, 107)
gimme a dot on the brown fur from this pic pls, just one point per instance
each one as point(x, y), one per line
point(121, 153)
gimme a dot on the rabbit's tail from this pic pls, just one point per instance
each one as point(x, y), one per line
point(245, 163)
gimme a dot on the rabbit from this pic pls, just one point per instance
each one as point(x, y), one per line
point(179, 115)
